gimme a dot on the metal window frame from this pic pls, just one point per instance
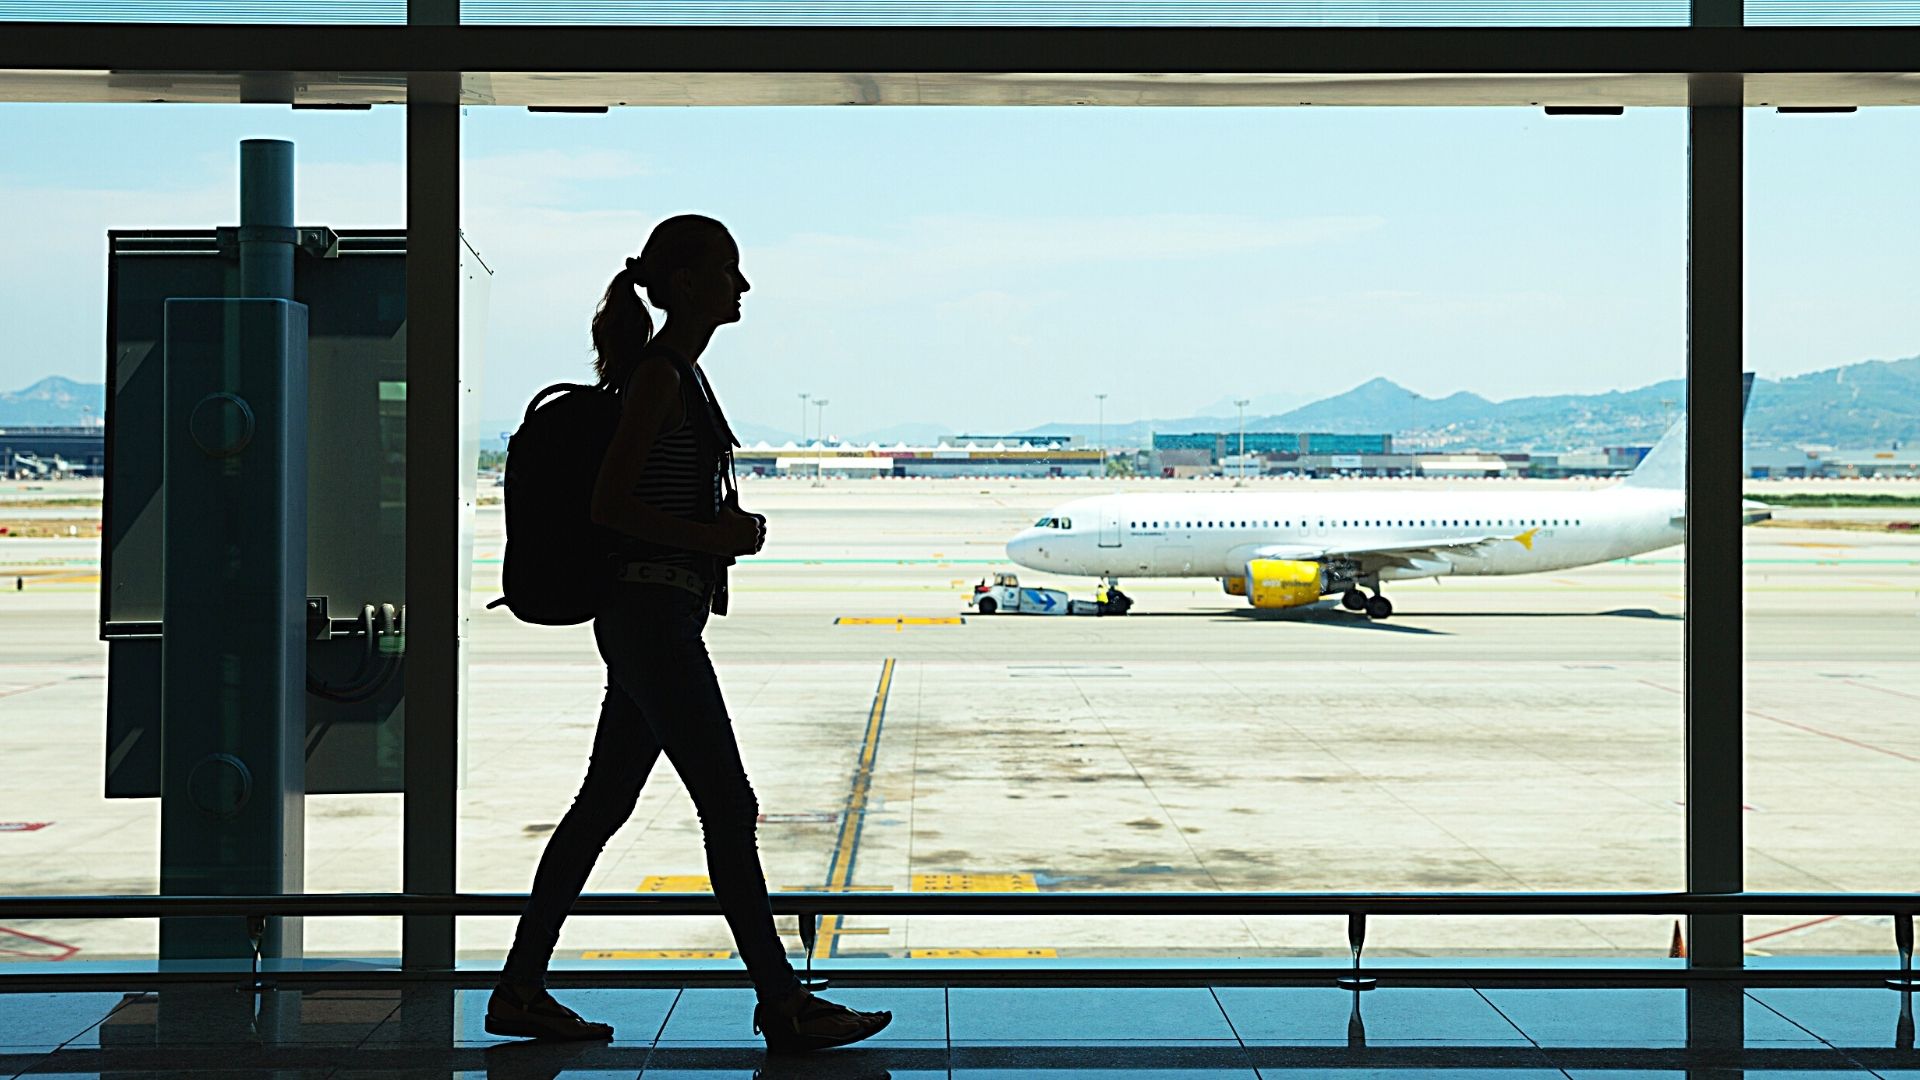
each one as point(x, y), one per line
point(434, 65)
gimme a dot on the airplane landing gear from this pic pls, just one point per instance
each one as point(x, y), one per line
point(1379, 607)
point(1111, 600)
point(1354, 600)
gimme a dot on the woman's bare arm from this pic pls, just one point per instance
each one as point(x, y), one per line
point(651, 409)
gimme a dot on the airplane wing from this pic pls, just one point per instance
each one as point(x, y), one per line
point(1408, 555)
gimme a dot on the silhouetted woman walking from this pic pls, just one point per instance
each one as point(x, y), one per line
point(662, 494)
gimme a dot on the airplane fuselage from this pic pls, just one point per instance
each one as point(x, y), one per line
point(1207, 534)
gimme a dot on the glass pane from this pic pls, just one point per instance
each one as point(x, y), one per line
point(961, 322)
point(1833, 572)
point(206, 11)
point(101, 252)
point(1083, 13)
point(1832, 12)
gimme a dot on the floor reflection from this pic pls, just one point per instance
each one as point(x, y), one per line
point(1242, 1031)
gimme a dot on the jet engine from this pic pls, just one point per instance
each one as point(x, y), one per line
point(1235, 586)
point(1284, 583)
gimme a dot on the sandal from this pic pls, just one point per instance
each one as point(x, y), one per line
point(537, 1015)
point(811, 1023)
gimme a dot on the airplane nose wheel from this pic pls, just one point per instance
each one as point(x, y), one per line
point(1379, 607)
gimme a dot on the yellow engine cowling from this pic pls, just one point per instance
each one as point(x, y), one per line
point(1283, 583)
point(1235, 586)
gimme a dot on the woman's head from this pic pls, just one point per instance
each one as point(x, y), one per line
point(690, 268)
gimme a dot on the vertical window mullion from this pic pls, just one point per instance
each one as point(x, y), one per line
point(1714, 631)
point(435, 607)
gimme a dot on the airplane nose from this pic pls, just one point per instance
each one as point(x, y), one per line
point(1024, 549)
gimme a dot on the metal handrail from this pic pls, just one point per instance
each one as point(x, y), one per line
point(1057, 903)
point(809, 906)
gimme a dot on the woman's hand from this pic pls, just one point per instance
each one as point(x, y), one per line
point(739, 533)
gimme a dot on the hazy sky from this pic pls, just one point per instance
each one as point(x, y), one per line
point(992, 269)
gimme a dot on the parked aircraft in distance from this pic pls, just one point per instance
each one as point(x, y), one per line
point(1288, 548)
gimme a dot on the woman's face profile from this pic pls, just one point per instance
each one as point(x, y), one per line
point(711, 288)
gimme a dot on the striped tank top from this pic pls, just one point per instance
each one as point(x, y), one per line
point(675, 480)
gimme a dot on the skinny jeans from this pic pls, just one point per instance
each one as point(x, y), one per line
point(662, 697)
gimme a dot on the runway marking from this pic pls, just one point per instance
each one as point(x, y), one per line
point(1884, 690)
point(847, 844)
point(898, 620)
point(657, 954)
point(674, 883)
point(974, 883)
point(30, 689)
point(982, 954)
point(1791, 929)
point(1807, 728)
point(60, 949)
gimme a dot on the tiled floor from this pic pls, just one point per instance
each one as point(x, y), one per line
point(1183, 1033)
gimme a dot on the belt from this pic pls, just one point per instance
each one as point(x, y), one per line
point(647, 573)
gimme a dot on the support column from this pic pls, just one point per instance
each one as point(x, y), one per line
point(434, 597)
point(234, 584)
point(1714, 630)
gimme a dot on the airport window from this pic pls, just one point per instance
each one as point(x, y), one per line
point(97, 818)
point(1831, 603)
point(836, 555)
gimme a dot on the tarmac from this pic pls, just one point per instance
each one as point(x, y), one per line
point(1519, 733)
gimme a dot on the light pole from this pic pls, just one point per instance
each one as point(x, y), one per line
point(1240, 404)
point(1100, 440)
point(820, 417)
point(803, 418)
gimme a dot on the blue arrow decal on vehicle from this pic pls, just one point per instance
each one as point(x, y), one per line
point(1039, 598)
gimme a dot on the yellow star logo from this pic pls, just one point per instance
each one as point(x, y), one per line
point(1525, 539)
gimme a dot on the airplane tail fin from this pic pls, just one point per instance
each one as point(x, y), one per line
point(1665, 466)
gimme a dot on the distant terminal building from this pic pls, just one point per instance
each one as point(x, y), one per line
point(999, 459)
point(1046, 442)
point(1219, 444)
point(1825, 462)
point(28, 453)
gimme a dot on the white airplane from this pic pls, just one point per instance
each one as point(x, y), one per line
point(1289, 549)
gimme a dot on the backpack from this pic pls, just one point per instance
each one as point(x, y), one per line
point(556, 558)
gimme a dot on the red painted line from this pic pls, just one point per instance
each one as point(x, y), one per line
point(1810, 730)
point(67, 950)
point(1791, 929)
point(30, 689)
point(1882, 689)
point(1837, 738)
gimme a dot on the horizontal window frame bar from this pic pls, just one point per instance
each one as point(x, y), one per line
point(256, 48)
point(935, 903)
point(1067, 972)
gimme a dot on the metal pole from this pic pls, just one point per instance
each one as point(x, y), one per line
point(1100, 438)
point(1714, 708)
point(820, 418)
point(434, 604)
point(1240, 405)
point(803, 419)
point(266, 219)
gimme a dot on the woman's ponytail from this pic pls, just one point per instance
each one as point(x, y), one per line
point(621, 327)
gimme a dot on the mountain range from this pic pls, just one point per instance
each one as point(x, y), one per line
point(54, 402)
point(1875, 403)
point(1871, 404)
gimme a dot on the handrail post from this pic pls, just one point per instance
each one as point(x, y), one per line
point(1356, 943)
point(1903, 944)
